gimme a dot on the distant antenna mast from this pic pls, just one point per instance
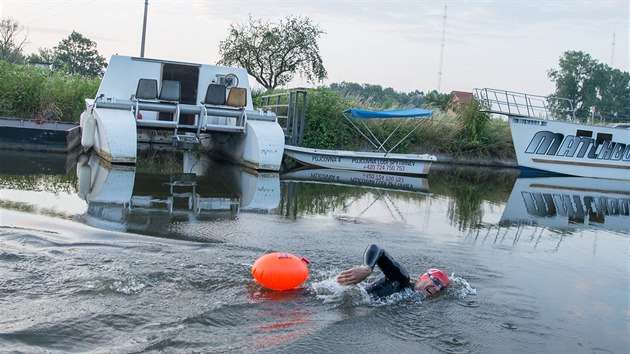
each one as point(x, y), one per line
point(442, 50)
point(144, 27)
point(612, 54)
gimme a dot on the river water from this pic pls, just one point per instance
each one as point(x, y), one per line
point(157, 258)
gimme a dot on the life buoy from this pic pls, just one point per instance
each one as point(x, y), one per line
point(280, 271)
point(88, 128)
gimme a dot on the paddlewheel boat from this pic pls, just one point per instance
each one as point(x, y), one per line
point(188, 105)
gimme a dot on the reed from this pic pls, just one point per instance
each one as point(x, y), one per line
point(26, 92)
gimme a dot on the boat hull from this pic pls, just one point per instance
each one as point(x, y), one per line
point(23, 134)
point(362, 161)
point(571, 149)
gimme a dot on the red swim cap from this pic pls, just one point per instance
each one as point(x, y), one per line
point(436, 273)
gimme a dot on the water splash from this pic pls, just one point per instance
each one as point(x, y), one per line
point(460, 288)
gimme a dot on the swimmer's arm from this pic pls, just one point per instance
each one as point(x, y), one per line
point(387, 264)
point(358, 274)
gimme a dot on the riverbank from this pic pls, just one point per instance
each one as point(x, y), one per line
point(476, 161)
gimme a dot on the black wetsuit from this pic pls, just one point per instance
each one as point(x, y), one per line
point(395, 277)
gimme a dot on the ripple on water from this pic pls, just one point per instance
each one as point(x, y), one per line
point(81, 333)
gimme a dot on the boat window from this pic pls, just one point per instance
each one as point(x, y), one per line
point(601, 137)
point(584, 133)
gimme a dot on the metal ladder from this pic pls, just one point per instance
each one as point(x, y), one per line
point(290, 108)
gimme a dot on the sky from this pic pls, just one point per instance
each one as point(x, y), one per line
point(502, 44)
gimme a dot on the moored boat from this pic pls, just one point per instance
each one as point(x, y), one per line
point(198, 105)
point(545, 144)
point(382, 160)
point(38, 135)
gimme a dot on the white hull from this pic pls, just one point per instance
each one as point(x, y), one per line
point(569, 202)
point(192, 111)
point(362, 161)
point(571, 149)
point(360, 179)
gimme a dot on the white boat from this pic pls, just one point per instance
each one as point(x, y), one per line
point(560, 147)
point(381, 161)
point(195, 104)
point(569, 202)
point(359, 178)
point(362, 160)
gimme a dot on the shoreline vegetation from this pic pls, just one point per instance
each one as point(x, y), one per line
point(455, 134)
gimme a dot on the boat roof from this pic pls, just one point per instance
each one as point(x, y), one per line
point(398, 113)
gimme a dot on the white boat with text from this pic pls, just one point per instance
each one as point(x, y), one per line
point(546, 144)
point(184, 104)
point(383, 160)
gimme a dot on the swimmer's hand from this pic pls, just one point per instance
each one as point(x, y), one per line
point(354, 275)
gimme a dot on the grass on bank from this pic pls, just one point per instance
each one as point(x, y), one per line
point(26, 92)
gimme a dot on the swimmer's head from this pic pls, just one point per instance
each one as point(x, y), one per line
point(432, 282)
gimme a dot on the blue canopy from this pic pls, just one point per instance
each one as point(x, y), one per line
point(399, 113)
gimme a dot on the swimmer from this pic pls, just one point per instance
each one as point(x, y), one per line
point(395, 277)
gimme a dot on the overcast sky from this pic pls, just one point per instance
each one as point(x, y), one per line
point(506, 44)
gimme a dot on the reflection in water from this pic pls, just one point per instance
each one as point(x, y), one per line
point(470, 188)
point(569, 202)
point(329, 191)
point(120, 197)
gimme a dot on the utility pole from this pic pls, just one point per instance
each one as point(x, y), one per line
point(612, 54)
point(442, 50)
point(144, 27)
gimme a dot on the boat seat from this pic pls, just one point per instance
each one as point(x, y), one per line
point(215, 95)
point(171, 91)
point(147, 89)
point(237, 97)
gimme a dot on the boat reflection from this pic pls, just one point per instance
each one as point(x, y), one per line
point(569, 202)
point(359, 179)
point(331, 191)
point(127, 198)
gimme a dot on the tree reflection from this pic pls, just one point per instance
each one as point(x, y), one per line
point(469, 190)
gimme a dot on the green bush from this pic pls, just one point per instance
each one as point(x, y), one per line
point(26, 92)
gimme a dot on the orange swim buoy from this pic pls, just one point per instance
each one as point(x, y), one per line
point(280, 271)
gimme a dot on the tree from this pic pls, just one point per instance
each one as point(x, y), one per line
point(43, 55)
point(274, 53)
point(11, 45)
point(437, 100)
point(78, 55)
point(594, 87)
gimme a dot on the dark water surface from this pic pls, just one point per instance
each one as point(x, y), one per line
point(157, 258)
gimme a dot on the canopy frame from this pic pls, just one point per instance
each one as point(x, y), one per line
point(403, 115)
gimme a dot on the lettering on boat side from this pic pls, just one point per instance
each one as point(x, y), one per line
point(377, 161)
point(325, 158)
point(530, 122)
point(556, 144)
point(575, 207)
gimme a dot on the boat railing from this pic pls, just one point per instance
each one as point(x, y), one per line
point(517, 104)
point(207, 117)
